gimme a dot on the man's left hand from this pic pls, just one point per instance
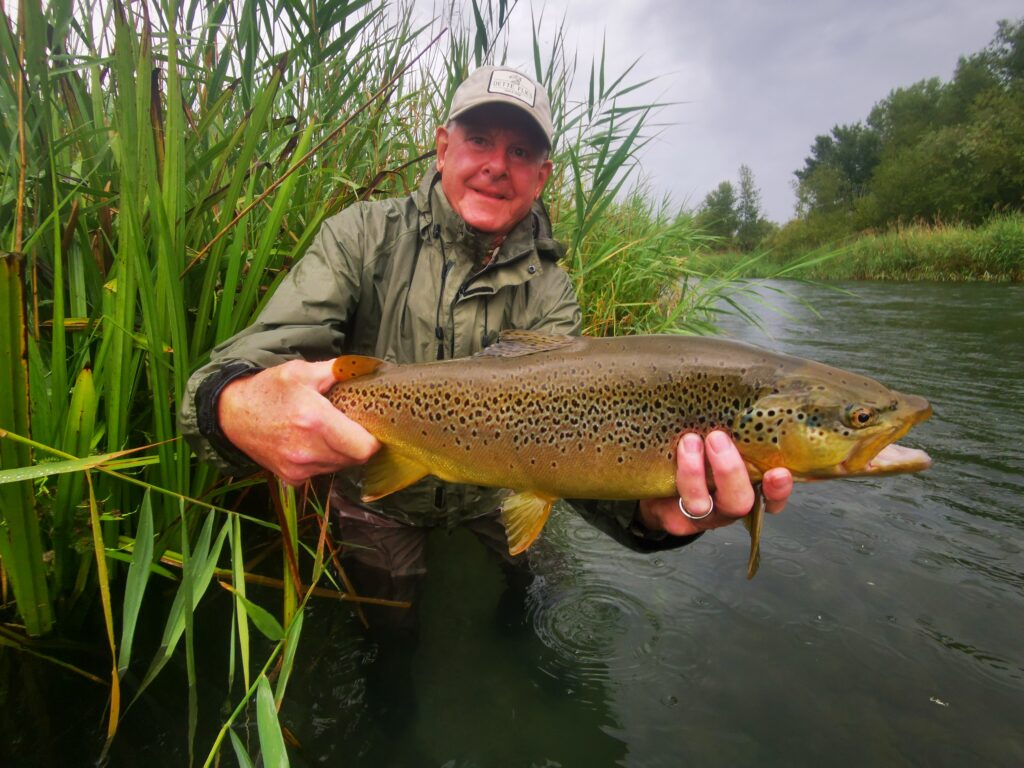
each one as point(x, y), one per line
point(733, 495)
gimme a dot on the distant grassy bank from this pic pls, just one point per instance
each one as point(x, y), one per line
point(948, 252)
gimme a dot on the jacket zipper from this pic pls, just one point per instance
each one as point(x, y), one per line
point(438, 329)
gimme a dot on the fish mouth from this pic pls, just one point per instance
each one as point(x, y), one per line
point(882, 455)
point(896, 459)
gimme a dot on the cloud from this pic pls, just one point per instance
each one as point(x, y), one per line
point(756, 82)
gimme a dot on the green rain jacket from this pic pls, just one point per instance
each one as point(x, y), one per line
point(407, 281)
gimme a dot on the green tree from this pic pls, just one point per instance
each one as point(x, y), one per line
point(839, 168)
point(718, 215)
point(1005, 54)
point(934, 151)
point(906, 114)
point(751, 225)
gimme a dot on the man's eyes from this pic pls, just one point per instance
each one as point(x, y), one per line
point(517, 153)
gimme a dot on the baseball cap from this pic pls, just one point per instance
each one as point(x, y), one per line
point(502, 85)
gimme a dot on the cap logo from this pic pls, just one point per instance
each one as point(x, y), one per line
point(513, 84)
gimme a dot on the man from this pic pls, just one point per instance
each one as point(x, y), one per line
point(433, 276)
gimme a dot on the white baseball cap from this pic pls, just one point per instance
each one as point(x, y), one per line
point(502, 85)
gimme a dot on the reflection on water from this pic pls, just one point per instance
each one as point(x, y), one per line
point(883, 628)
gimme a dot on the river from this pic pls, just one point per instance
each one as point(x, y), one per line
point(885, 626)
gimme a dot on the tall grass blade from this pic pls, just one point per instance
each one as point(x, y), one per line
point(291, 647)
point(261, 618)
point(103, 578)
point(21, 546)
point(109, 461)
point(197, 573)
point(135, 583)
point(78, 437)
point(244, 761)
point(238, 578)
point(272, 747)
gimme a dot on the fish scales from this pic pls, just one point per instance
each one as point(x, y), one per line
point(547, 421)
point(563, 417)
point(546, 425)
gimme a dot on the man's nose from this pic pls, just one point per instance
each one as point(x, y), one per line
point(496, 163)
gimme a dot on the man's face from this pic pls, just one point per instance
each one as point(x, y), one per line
point(493, 166)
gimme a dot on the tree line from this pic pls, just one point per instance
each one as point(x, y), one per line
point(930, 152)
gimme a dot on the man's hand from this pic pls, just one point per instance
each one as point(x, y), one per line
point(280, 419)
point(734, 494)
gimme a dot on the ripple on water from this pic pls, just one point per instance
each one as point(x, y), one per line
point(861, 542)
point(809, 628)
point(791, 568)
point(597, 632)
point(788, 544)
point(582, 535)
point(587, 541)
point(993, 666)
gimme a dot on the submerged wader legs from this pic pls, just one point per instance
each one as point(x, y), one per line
point(387, 559)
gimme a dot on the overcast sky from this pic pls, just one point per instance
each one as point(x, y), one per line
point(756, 82)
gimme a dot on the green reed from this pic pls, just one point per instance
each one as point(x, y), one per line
point(166, 164)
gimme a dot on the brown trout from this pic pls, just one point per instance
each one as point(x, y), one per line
point(555, 417)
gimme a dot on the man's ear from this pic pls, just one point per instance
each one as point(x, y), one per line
point(542, 177)
point(441, 144)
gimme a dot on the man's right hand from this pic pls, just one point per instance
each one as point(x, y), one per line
point(280, 419)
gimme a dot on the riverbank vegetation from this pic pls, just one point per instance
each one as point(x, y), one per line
point(931, 162)
point(992, 251)
point(164, 166)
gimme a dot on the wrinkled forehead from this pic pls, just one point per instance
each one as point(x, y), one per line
point(504, 118)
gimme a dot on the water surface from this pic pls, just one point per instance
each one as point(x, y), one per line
point(885, 625)
point(884, 628)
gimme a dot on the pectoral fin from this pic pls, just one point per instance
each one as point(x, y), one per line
point(753, 522)
point(524, 515)
point(387, 472)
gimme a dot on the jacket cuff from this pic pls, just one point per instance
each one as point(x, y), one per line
point(621, 521)
point(206, 401)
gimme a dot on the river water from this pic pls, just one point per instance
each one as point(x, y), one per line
point(886, 625)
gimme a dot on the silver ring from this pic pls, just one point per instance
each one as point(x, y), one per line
point(686, 512)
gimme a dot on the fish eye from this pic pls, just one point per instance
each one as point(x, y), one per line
point(858, 416)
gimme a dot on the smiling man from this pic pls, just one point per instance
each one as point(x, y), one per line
point(433, 276)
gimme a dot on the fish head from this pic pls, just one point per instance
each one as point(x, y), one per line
point(824, 422)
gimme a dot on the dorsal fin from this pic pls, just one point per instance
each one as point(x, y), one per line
point(519, 343)
point(351, 366)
